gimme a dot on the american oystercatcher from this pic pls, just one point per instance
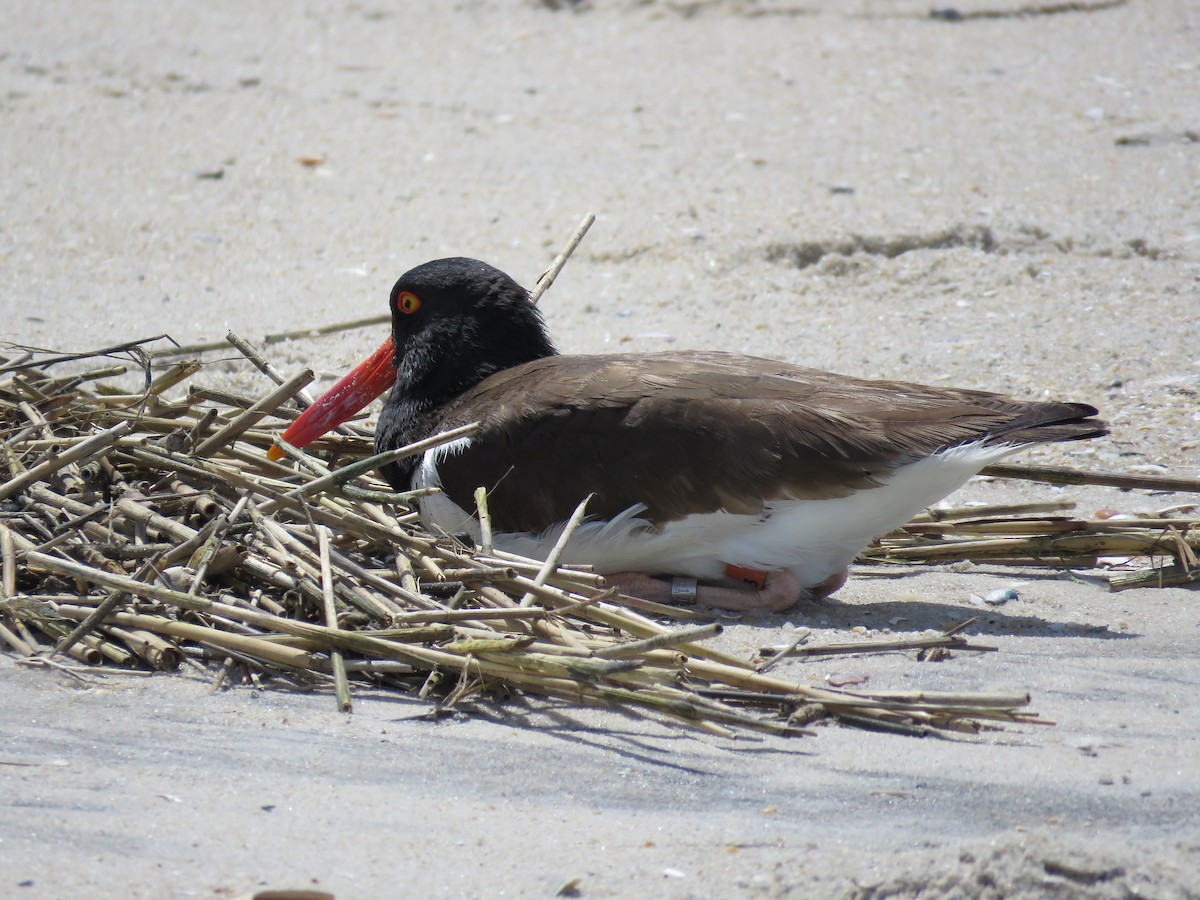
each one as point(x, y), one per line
point(704, 466)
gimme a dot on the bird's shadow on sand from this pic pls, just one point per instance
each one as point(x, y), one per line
point(1015, 619)
point(906, 610)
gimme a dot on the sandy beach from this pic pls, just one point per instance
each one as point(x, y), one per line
point(1005, 196)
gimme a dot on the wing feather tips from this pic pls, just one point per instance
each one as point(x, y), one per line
point(1051, 422)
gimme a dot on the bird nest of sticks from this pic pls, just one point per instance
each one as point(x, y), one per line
point(146, 528)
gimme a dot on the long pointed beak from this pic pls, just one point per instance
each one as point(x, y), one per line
point(368, 380)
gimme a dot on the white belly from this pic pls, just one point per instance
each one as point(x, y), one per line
point(814, 539)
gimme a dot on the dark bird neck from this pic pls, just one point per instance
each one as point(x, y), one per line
point(499, 330)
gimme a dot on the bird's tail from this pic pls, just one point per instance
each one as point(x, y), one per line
point(1049, 422)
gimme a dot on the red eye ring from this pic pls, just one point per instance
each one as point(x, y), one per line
point(407, 302)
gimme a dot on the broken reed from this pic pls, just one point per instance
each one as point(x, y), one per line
point(147, 528)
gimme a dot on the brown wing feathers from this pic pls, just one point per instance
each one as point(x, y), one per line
point(696, 432)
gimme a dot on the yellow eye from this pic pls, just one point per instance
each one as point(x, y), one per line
point(408, 303)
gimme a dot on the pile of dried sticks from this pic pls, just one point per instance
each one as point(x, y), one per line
point(146, 528)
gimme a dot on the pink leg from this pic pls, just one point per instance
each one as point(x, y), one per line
point(779, 592)
point(831, 584)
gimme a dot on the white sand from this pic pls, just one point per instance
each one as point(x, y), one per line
point(1016, 209)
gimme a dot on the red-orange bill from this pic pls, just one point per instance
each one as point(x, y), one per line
point(364, 383)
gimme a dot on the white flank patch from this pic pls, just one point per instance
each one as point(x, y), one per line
point(437, 510)
point(813, 538)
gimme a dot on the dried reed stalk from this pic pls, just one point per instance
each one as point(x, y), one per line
point(1063, 475)
point(547, 278)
